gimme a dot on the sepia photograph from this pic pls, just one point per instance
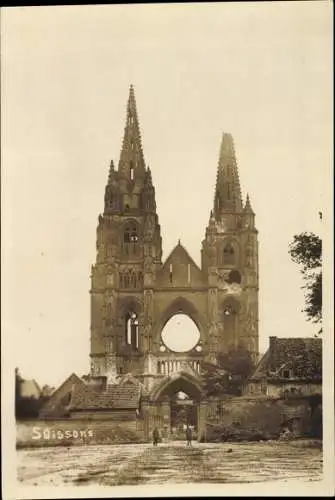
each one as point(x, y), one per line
point(167, 250)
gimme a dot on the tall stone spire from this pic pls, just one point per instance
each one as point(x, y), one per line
point(131, 164)
point(227, 191)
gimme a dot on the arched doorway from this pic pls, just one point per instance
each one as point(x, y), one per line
point(179, 397)
point(184, 411)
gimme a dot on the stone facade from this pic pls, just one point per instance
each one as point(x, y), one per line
point(134, 293)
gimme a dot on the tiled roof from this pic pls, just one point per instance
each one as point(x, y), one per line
point(130, 379)
point(125, 396)
point(261, 368)
point(55, 403)
point(72, 379)
point(301, 356)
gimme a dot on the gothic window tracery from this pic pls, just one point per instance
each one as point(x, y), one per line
point(131, 233)
point(112, 199)
point(130, 279)
point(131, 239)
point(126, 280)
point(131, 330)
point(229, 254)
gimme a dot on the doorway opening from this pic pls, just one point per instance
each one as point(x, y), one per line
point(184, 396)
point(184, 412)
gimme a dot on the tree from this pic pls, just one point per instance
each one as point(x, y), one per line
point(215, 379)
point(237, 361)
point(26, 407)
point(306, 251)
point(228, 374)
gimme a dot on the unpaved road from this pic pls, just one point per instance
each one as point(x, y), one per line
point(171, 462)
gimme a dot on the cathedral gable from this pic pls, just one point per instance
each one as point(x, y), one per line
point(180, 270)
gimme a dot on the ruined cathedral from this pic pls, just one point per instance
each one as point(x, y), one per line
point(134, 293)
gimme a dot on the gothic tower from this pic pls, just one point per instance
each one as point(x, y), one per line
point(129, 250)
point(230, 261)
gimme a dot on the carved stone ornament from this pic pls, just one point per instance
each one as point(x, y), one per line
point(233, 288)
point(110, 280)
point(213, 304)
point(249, 253)
point(222, 278)
point(252, 320)
point(222, 227)
point(148, 279)
point(148, 261)
point(148, 306)
point(150, 226)
point(212, 254)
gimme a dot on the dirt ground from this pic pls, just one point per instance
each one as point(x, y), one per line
point(171, 462)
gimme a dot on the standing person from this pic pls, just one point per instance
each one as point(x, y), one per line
point(189, 435)
point(155, 436)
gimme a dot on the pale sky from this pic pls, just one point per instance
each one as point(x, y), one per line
point(260, 71)
point(173, 333)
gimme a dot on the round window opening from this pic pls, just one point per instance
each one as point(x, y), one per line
point(180, 334)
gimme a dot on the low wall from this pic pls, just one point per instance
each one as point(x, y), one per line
point(69, 432)
point(115, 415)
point(265, 417)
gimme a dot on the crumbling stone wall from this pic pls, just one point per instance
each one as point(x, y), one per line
point(262, 417)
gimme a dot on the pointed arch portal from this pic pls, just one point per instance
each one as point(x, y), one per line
point(181, 382)
point(182, 394)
